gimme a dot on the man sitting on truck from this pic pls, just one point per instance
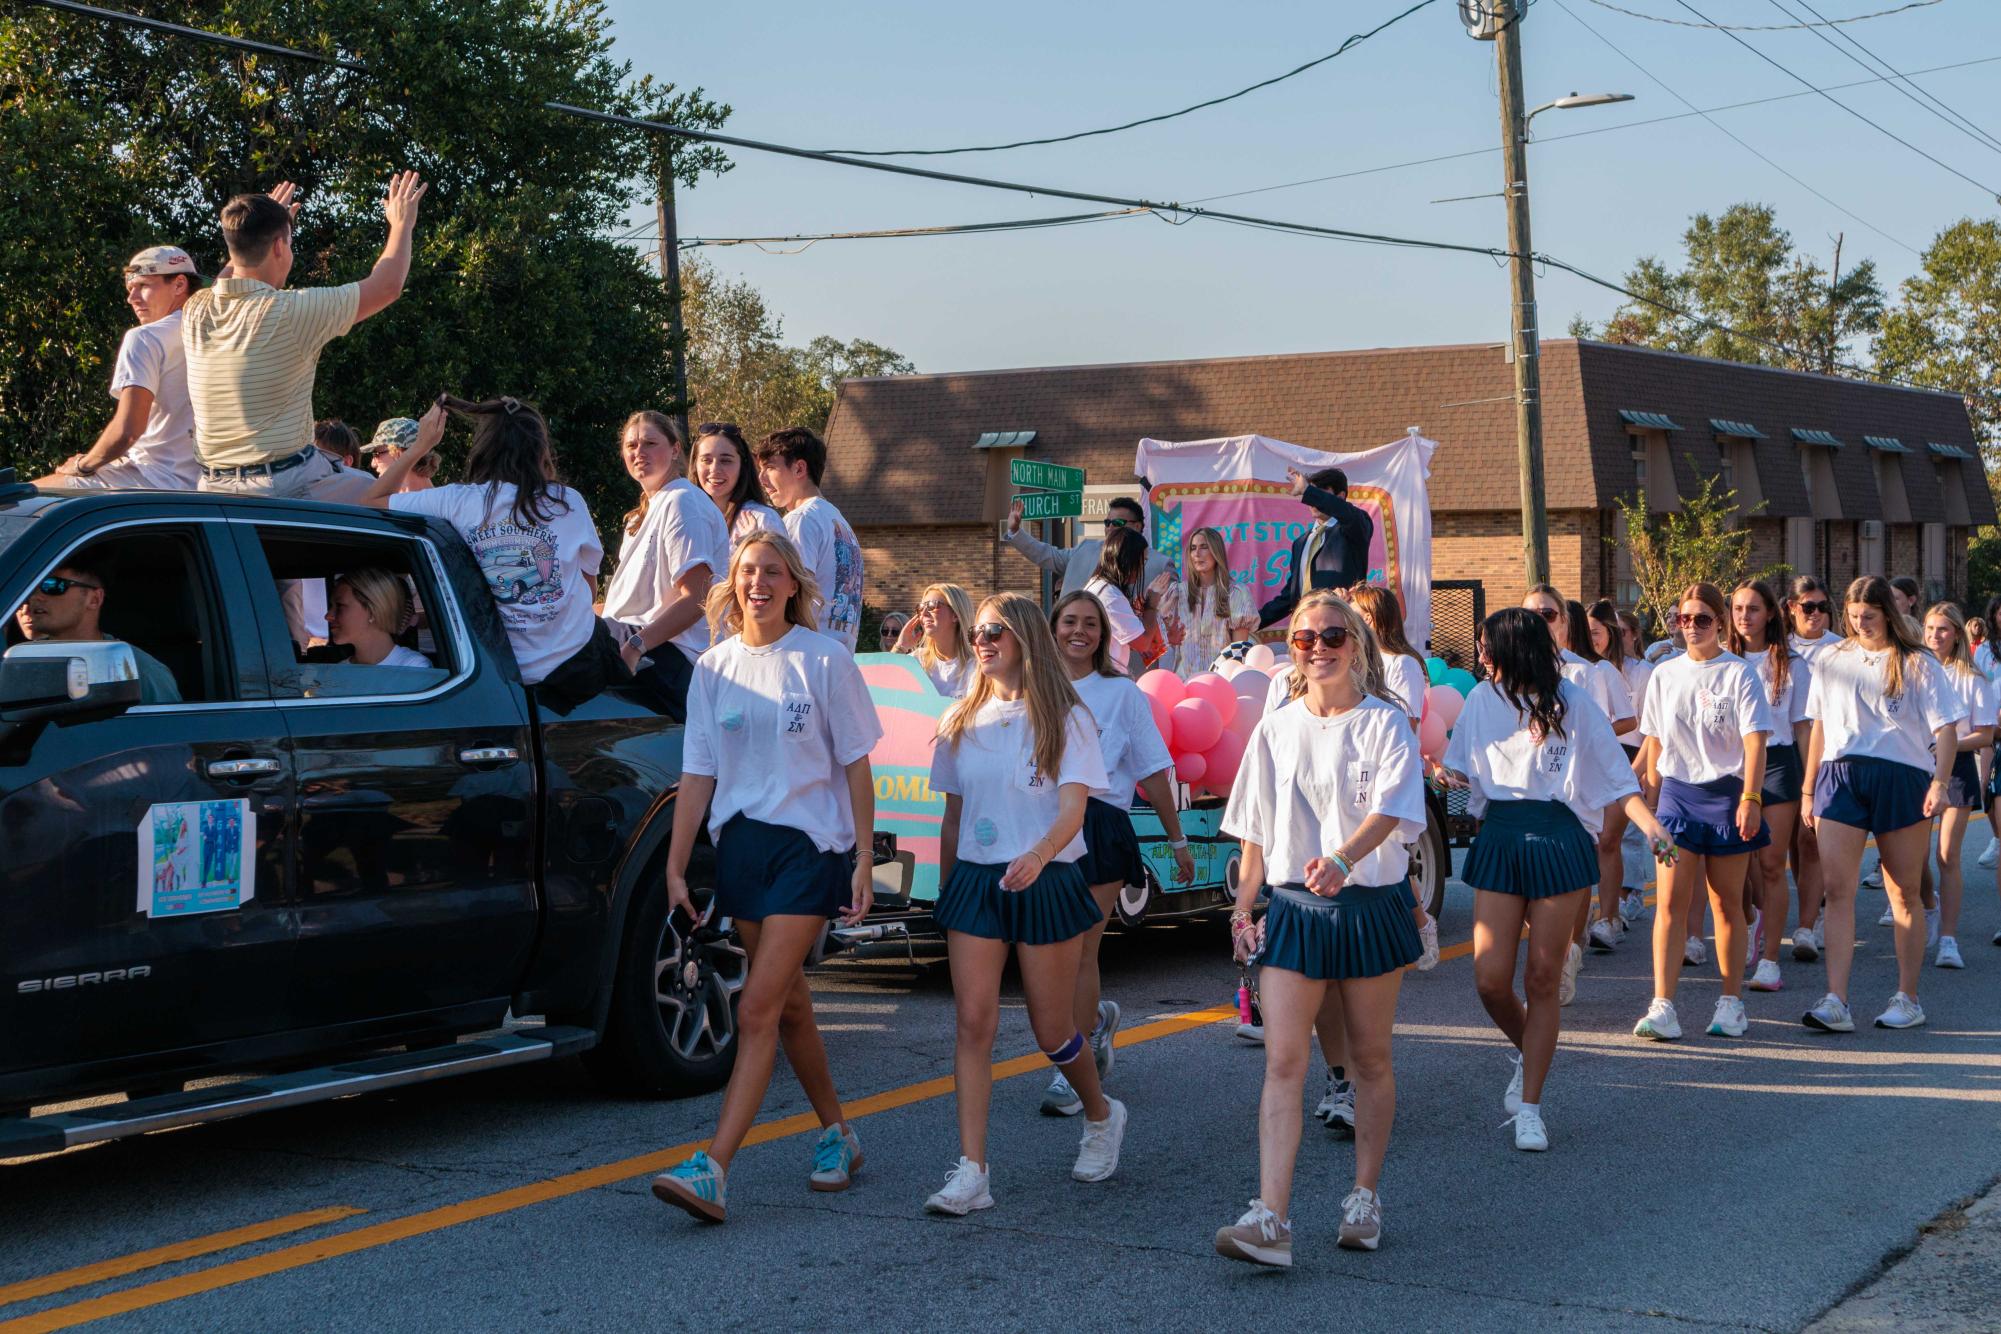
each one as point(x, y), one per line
point(66, 605)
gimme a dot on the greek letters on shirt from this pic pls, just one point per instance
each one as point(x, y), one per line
point(795, 714)
point(1553, 755)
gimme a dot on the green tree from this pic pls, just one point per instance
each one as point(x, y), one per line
point(1742, 273)
point(1703, 542)
point(1946, 332)
point(114, 138)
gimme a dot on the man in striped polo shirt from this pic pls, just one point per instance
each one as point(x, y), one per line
point(252, 346)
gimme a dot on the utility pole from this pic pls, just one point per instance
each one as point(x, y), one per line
point(1833, 309)
point(670, 278)
point(1526, 345)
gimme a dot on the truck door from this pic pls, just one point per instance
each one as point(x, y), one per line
point(145, 883)
point(414, 863)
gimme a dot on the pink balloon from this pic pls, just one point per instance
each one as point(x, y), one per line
point(1163, 685)
point(1221, 760)
point(1190, 768)
point(1445, 702)
point(1250, 708)
point(1163, 717)
point(1217, 691)
point(1431, 736)
point(1197, 724)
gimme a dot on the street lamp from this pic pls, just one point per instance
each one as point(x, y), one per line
point(1574, 100)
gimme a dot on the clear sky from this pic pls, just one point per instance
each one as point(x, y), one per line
point(897, 75)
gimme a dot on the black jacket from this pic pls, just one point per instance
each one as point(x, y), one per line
point(1351, 532)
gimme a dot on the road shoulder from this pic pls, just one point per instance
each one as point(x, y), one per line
point(1943, 1285)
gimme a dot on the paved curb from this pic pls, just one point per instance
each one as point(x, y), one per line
point(1944, 1284)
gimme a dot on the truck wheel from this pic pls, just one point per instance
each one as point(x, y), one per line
point(1134, 900)
point(1430, 860)
point(672, 1028)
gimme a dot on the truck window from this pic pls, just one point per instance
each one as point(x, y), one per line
point(149, 587)
point(364, 610)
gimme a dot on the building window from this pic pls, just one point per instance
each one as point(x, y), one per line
point(1639, 464)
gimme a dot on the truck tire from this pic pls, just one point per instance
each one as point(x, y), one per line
point(1431, 862)
point(672, 1027)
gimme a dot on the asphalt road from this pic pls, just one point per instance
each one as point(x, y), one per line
point(1736, 1184)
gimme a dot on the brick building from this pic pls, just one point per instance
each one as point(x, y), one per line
point(1853, 477)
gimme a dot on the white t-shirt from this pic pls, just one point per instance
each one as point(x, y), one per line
point(1811, 649)
point(542, 574)
point(1128, 738)
point(1601, 681)
point(398, 656)
point(1279, 693)
point(1636, 673)
point(952, 676)
point(1857, 719)
point(1407, 680)
point(682, 529)
point(1006, 804)
point(835, 558)
point(1124, 625)
point(1701, 712)
point(1790, 706)
point(1976, 694)
point(751, 516)
point(150, 357)
point(1585, 768)
point(1306, 784)
point(777, 728)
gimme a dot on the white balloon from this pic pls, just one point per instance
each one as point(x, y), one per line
point(1261, 657)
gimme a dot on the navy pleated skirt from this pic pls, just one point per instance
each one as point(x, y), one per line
point(1785, 775)
point(1057, 907)
point(1111, 848)
point(1864, 792)
point(1533, 850)
point(1702, 817)
point(766, 870)
point(1364, 931)
point(1963, 789)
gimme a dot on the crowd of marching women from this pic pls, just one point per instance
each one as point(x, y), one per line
point(1767, 734)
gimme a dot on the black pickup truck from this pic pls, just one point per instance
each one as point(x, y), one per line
point(301, 879)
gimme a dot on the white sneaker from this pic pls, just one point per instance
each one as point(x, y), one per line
point(1427, 936)
point(1659, 1022)
point(1992, 856)
point(1730, 1020)
point(1806, 944)
point(965, 1190)
point(1252, 1033)
point(1260, 1237)
point(1948, 954)
point(1604, 936)
point(1931, 927)
point(1059, 1099)
point(1337, 1109)
point(1102, 1050)
point(1874, 880)
point(1098, 1151)
point(1633, 906)
point(1531, 1135)
point(1361, 1220)
point(1511, 1101)
point(1767, 977)
point(1573, 964)
point(1904, 1012)
point(1889, 918)
point(1694, 954)
point(1830, 1016)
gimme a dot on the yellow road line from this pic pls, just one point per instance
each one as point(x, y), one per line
point(539, 1192)
point(166, 1255)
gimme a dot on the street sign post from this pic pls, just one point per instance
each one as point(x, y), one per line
point(1045, 477)
point(1052, 504)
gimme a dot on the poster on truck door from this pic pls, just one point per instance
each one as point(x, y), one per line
point(197, 857)
point(1238, 486)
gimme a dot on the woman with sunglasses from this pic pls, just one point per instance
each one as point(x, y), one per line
point(1538, 759)
point(1884, 721)
point(1615, 636)
point(1758, 635)
point(1710, 719)
point(1135, 756)
point(723, 468)
point(1606, 688)
point(1809, 608)
point(1017, 760)
point(937, 636)
point(1329, 792)
point(1945, 636)
point(1403, 673)
point(1208, 610)
point(780, 726)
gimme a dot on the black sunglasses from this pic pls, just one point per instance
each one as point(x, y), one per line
point(989, 633)
point(55, 585)
point(1110, 522)
point(1334, 636)
point(728, 429)
point(1550, 614)
point(1816, 608)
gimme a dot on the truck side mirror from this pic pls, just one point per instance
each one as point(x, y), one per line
point(73, 679)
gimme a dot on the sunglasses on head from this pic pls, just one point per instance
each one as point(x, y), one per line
point(1701, 620)
point(1334, 636)
point(730, 429)
point(989, 633)
point(55, 585)
point(1816, 608)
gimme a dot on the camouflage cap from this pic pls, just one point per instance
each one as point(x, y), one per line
point(397, 433)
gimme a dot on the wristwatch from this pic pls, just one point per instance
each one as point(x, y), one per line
point(635, 638)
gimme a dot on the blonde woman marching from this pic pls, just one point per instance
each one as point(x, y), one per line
point(1330, 790)
point(1945, 636)
point(939, 637)
point(1885, 721)
point(1135, 756)
point(1017, 759)
point(780, 726)
point(1708, 719)
point(1208, 610)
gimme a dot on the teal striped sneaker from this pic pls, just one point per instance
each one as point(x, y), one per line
point(696, 1186)
point(836, 1157)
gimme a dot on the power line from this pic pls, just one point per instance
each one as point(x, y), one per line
point(1354, 39)
point(1944, 166)
point(955, 229)
point(1733, 136)
point(1957, 120)
point(1762, 27)
point(1184, 212)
